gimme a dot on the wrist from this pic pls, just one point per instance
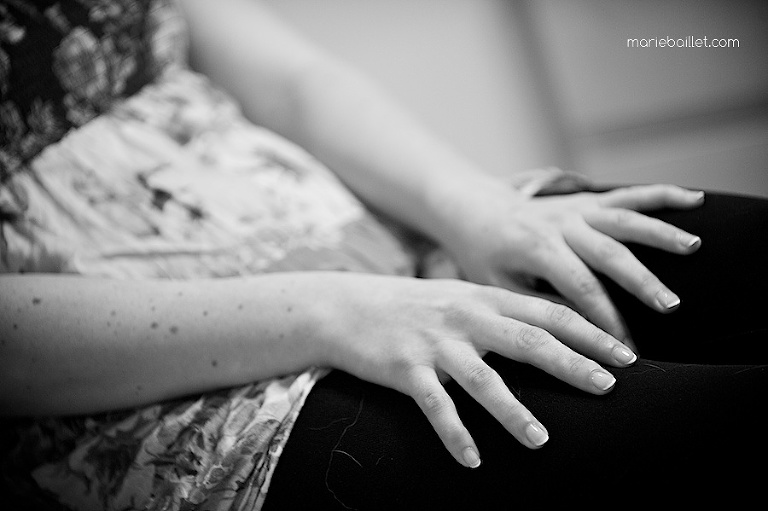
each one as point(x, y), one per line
point(454, 203)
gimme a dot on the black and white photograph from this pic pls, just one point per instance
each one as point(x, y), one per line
point(383, 254)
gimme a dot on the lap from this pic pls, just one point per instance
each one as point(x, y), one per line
point(685, 418)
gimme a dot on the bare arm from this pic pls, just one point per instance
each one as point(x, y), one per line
point(396, 165)
point(288, 84)
point(78, 345)
point(75, 345)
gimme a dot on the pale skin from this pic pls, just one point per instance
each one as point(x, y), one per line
point(79, 345)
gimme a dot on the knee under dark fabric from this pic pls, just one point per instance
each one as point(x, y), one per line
point(685, 420)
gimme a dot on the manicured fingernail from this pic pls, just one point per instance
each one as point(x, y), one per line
point(623, 355)
point(471, 458)
point(536, 433)
point(602, 380)
point(667, 300)
point(688, 241)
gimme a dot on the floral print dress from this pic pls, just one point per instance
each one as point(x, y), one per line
point(118, 161)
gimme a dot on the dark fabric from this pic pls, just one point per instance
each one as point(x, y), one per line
point(64, 62)
point(685, 423)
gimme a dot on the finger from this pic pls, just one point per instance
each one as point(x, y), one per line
point(487, 388)
point(572, 278)
point(648, 197)
point(616, 261)
point(438, 406)
point(535, 346)
point(567, 326)
point(628, 225)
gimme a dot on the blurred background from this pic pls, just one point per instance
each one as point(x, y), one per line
point(518, 84)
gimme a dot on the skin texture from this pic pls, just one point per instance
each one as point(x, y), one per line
point(65, 351)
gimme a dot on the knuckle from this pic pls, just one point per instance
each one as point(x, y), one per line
point(609, 250)
point(587, 285)
point(539, 238)
point(434, 403)
point(574, 364)
point(602, 339)
point(480, 377)
point(624, 217)
point(458, 312)
point(559, 315)
point(530, 338)
point(492, 294)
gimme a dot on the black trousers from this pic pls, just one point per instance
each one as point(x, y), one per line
point(687, 421)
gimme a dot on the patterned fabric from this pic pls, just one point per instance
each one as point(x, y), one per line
point(117, 161)
point(64, 62)
point(168, 182)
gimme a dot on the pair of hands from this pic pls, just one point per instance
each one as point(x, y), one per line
point(413, 335)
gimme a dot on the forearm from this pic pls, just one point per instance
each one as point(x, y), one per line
point(75, 345)
point(287, 84)
point(382, 152)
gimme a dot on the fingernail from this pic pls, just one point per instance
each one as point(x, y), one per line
point(602, 380)
point(471, 458)
point(536, 433)
point(623, 355)
point(697, 195)
point(667, 300)
point(688, 241)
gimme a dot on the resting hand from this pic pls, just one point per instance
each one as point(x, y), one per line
point(503, 239)
point(412, 335)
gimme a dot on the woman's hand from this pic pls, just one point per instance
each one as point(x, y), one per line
point(412, 335)
point(498, 237)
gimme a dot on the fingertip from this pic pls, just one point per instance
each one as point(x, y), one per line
point(630, 343)
point(694, 198)
point(623, 355)
point(666, 301)
point(688, 243)
point(602, 380)
point(470, 457)
point(536, 434)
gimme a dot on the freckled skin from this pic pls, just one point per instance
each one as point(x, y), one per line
point(154, 324)
point(36, 301)
point(214, 363)
point(174, 329)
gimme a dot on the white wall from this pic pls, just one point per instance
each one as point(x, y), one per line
point(455, 63)
point(522, 83)
point(692, 116)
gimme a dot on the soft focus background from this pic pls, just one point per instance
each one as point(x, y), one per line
point(518, 84)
